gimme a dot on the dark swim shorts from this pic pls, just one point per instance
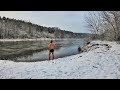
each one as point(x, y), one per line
point(51, 50)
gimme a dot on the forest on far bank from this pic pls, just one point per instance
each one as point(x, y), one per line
point(20, 29)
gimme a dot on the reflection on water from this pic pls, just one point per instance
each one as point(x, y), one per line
point(37, 50)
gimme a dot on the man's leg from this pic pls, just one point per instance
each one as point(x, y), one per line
point(49, 55)
point(53, 54)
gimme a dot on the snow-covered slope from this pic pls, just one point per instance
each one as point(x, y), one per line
point(100, 62)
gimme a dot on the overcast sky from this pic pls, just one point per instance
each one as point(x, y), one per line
point(68, 20)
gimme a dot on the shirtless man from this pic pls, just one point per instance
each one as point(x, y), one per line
point(51, 47)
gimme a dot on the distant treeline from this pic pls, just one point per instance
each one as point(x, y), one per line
point(13, 29)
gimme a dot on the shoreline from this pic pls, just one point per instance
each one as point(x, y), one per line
point(38, 39)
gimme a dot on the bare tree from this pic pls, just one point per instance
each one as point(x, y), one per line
point(104, 24)
point(95, 23)
point(112, 23)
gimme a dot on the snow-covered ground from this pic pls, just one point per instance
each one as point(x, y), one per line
point(100, 62)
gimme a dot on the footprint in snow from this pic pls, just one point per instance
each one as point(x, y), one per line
point(44, 71)
point(95, 67)
point(118, 68)
point(79, 56)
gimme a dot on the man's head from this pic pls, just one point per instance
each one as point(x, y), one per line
point(51, 41)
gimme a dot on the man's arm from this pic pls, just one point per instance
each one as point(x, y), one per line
point(48, 46)
point(54, 45)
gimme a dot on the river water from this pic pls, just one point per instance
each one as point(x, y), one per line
point(30, 51)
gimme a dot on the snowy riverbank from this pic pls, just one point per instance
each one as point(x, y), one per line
point(37, 39)
point(100, 62)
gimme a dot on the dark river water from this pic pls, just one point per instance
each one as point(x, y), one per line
point(29, 51)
